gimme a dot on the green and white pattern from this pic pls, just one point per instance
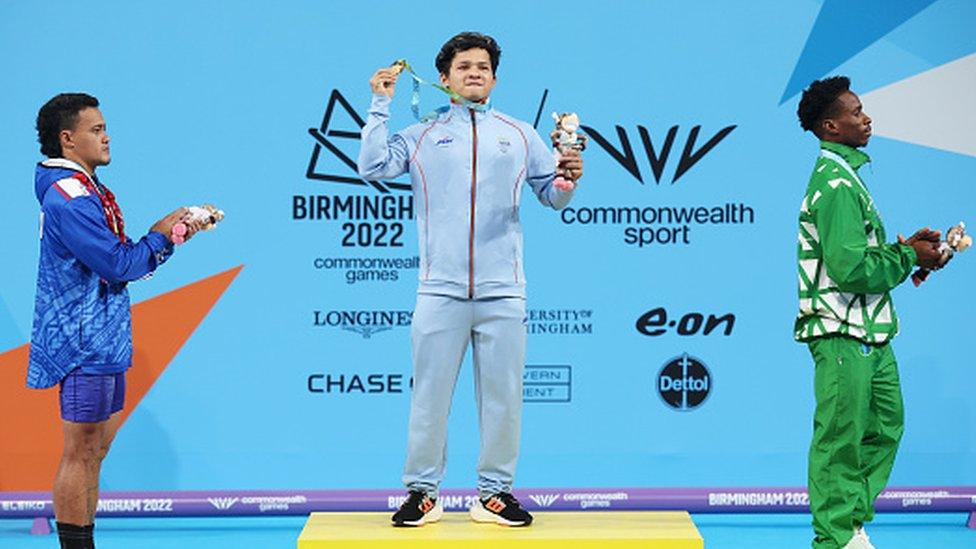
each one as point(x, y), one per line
point(845, 268)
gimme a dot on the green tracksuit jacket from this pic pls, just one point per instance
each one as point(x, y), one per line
point(846, 269)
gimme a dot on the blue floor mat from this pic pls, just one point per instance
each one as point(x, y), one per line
point(889, 531)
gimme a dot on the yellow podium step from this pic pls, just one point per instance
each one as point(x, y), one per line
point(562, 530)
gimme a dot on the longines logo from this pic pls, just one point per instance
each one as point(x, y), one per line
point(364, 323)
point(656, 322)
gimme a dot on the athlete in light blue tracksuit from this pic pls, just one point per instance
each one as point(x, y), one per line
point(467, 167)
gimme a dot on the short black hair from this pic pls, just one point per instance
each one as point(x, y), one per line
point(60, 113)
point(818, 99)
point(463, 42)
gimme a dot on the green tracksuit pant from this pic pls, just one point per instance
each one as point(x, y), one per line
point(856, 430)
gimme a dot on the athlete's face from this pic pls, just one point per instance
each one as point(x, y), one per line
point(470, 74)
point(87, 142)
point(848, 123)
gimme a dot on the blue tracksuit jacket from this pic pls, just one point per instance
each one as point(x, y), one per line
point(81, 310)
point(467, 169)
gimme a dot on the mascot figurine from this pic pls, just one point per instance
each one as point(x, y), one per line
point(564, 139)
point(207, 214)
point(956, 241)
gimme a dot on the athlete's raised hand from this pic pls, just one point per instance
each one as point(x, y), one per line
point(384, 80)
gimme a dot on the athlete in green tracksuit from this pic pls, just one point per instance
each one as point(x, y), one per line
point(847, 318)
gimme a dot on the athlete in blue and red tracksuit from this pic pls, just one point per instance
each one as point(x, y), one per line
point(467, 169)
point(82, 333)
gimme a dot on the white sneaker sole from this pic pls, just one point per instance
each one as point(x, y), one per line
point(857, 543)
point(433, 515)
point(480, 514)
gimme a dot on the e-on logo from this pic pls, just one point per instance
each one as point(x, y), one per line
point(684, 383)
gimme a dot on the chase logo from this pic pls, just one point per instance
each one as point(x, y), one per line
point(684, 383)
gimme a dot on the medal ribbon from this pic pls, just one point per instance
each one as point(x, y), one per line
point(455, 96)
point(113, 214)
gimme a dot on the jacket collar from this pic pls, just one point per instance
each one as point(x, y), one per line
point(458, 109)
point(854, 157)
point(67, 164)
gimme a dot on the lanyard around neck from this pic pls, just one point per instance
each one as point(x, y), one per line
point(844, 164)
point(455, 96)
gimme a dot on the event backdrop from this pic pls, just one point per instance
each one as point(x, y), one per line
point(274, 352)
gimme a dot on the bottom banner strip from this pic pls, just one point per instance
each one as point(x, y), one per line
point(240, 503)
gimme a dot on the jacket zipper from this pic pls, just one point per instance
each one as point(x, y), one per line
point(474, 181)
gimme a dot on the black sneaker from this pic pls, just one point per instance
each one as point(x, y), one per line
point(501, 508)
point(418, 510)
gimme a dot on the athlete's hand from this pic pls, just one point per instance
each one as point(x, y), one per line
point(921, 234)
point(193, 226)
point(383, 81)
point(571, 164)
point(165, 225)
point(925, 242)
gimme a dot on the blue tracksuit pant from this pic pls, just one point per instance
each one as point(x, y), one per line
point(441, 330)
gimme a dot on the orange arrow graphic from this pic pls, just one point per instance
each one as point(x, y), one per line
point(30, 422)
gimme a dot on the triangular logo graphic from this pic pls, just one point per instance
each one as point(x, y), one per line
point(932, 109)
point(843, 30)
point(30, 425)
point(337, 146)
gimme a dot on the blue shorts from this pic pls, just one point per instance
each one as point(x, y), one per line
point(91, 398)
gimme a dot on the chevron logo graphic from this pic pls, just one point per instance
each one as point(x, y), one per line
point(223, 503)
point(544, 500)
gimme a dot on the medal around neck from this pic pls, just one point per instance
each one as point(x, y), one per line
point(401, 65)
